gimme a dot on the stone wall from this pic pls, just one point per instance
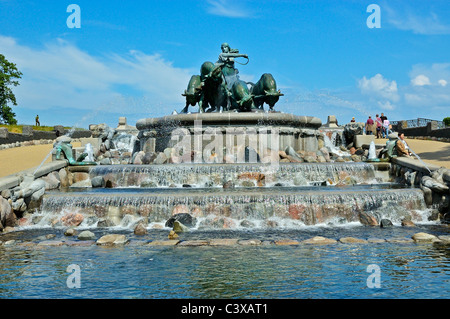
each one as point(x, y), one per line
point(21, 194)
point(267, 130)
point(430, 130)
point(25, 143)
point(32, 135)
point(433, 180)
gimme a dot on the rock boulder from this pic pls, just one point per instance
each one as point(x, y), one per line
point(112, 239)
point(184, 218)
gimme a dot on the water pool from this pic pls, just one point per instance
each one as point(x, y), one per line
point(338, 271)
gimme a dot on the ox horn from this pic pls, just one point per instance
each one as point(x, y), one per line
point(274, 93)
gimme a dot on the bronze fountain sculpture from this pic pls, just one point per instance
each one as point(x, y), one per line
point(218, 87)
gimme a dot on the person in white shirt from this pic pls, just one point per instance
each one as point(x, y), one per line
point(386, 124)
point(402, 146)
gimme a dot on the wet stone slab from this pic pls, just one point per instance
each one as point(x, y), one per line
point(137, 243)
point(9, 242)
point(193, 243)
point(319, 240)
point(80, 243)
point(250, 242)
point(376, 240)
point(424, 237)
point(286, 242)
point(352, 240)
point(444, 238)
point(121, 240)
point(49, 243)
point(400, 240)
point(163, 243)
point(223, 242)
point(27, 244)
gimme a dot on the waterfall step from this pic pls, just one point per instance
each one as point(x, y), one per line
point(208, 175)
point(305, 205)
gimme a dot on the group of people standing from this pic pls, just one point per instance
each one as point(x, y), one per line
point(380, 127)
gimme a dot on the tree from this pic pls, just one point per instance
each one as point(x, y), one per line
point(447, 121)
point(8, 74)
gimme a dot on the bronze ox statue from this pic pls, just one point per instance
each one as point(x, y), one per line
point(218, 87)
point(265, 91)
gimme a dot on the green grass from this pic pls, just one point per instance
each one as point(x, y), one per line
point(18, 128)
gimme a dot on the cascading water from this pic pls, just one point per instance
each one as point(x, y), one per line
point(372, 151)
point(228, 195)
point(216, 208)
point(330, 143)
point(202, 175)
point(124, 141)
point(90, 153)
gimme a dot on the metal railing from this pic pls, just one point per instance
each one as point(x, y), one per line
point(419, 122)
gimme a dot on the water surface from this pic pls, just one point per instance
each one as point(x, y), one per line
point(407, 270)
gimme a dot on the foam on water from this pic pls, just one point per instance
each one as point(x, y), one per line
point(330, 143)
point(218, 208)
point(372, 151)
point(124, 141)
point(210, 175)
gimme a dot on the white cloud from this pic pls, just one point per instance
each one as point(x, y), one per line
point(412, 98)
point(152, 75)
point(419, 23)
point(379, 87)
point(420, 80)
point(428, 86)
point(432, 97)
point(386, 105)
point(227, 8)
point(435, 73)
point(62, 75)
point(322, 103)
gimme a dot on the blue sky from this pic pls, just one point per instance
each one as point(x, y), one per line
point(135, 58)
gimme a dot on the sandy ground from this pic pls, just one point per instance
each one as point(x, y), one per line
point(434, 152)
point(14, 160)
